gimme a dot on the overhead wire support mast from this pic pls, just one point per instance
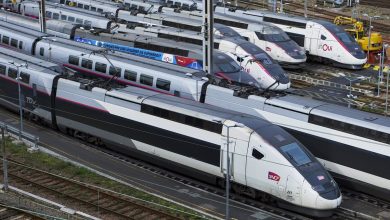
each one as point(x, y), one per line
point(208, 36)
point(42, 17)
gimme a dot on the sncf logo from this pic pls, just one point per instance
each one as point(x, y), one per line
point(273, 176)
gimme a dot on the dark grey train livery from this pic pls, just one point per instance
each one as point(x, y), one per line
point(181, 135)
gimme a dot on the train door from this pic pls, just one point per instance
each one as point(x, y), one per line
point(315, 46)
point(257, 169)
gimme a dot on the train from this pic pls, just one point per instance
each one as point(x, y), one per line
point(323, 41)
point(281, 49)
point(250, 57)
point(185, 136)
point(329, 131)
point(275, 42)
point(267, 73)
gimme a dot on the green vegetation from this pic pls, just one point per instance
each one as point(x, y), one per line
point(42, 161)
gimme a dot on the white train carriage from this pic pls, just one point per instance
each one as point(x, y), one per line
point(95, 6)
point(184, 136)
point(323, 41)
point(72, 15)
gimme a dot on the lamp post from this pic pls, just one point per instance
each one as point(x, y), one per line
point(385, 46)
point(369, 31)
point(18, 78)
point(50, 40)
point(5, 10)
point(350, 85)
point(227, 160)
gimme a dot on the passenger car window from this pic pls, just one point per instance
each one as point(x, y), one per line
point(56, 16)
point(163, 84)
point(101, 67)
point(86, 63)
point(146, 79)
point(130, 75)
point(25, 77)
point(73, 60)
point(2, 69)
point(115, 71)
point(12, 73)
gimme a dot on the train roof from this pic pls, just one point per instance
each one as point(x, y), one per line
point(34, 63)
point(75, 10)
point(308, 105)
point(188, 107)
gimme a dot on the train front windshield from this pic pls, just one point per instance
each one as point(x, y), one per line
point(263, 59)
point(296, 154)
point(347, 40)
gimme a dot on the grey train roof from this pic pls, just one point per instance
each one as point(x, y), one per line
point(35, 63)
point(190, 107)
point(76, 10)
point(341, 113)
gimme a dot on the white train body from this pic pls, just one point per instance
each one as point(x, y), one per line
point(264, 158)
point(323, 40)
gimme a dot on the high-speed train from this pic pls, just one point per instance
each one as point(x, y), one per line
point(88, 19)
point(266, 72)
point(226, 70)
point(181, 135)
point(266, 36)
point(323, 40)
point(251, 58)
point(338, 132)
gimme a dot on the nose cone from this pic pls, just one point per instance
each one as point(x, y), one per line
point(328, 204)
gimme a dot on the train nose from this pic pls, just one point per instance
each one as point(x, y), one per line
point(329, 200)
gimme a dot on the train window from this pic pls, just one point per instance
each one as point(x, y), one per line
point(14, 42)
point(79, 21)
point(73, 60)
point(93, 8)
point(20, 44)
point(3, 69)
point(295, 153)
point(100, 10)
point(56, 16)
point(62, 1)
point(284, 22)
point(25, 77)
point(163, 84)
point(323, 37)
point(100, 67)
point(146, 80)
point(5, 40)
point(86, 7)
point(86, 63)
point(48, 14)
point(115, 71)
point(64, 17)
point(12, 73)
point(130, 75)
point(256, 154)
point(41, 51)
point(259, 35)
point(79, 5)
point(141, 8)
point(71, 19)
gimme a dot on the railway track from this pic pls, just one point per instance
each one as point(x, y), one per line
point(380, 3)
point(108, 204)
point(11, 213)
